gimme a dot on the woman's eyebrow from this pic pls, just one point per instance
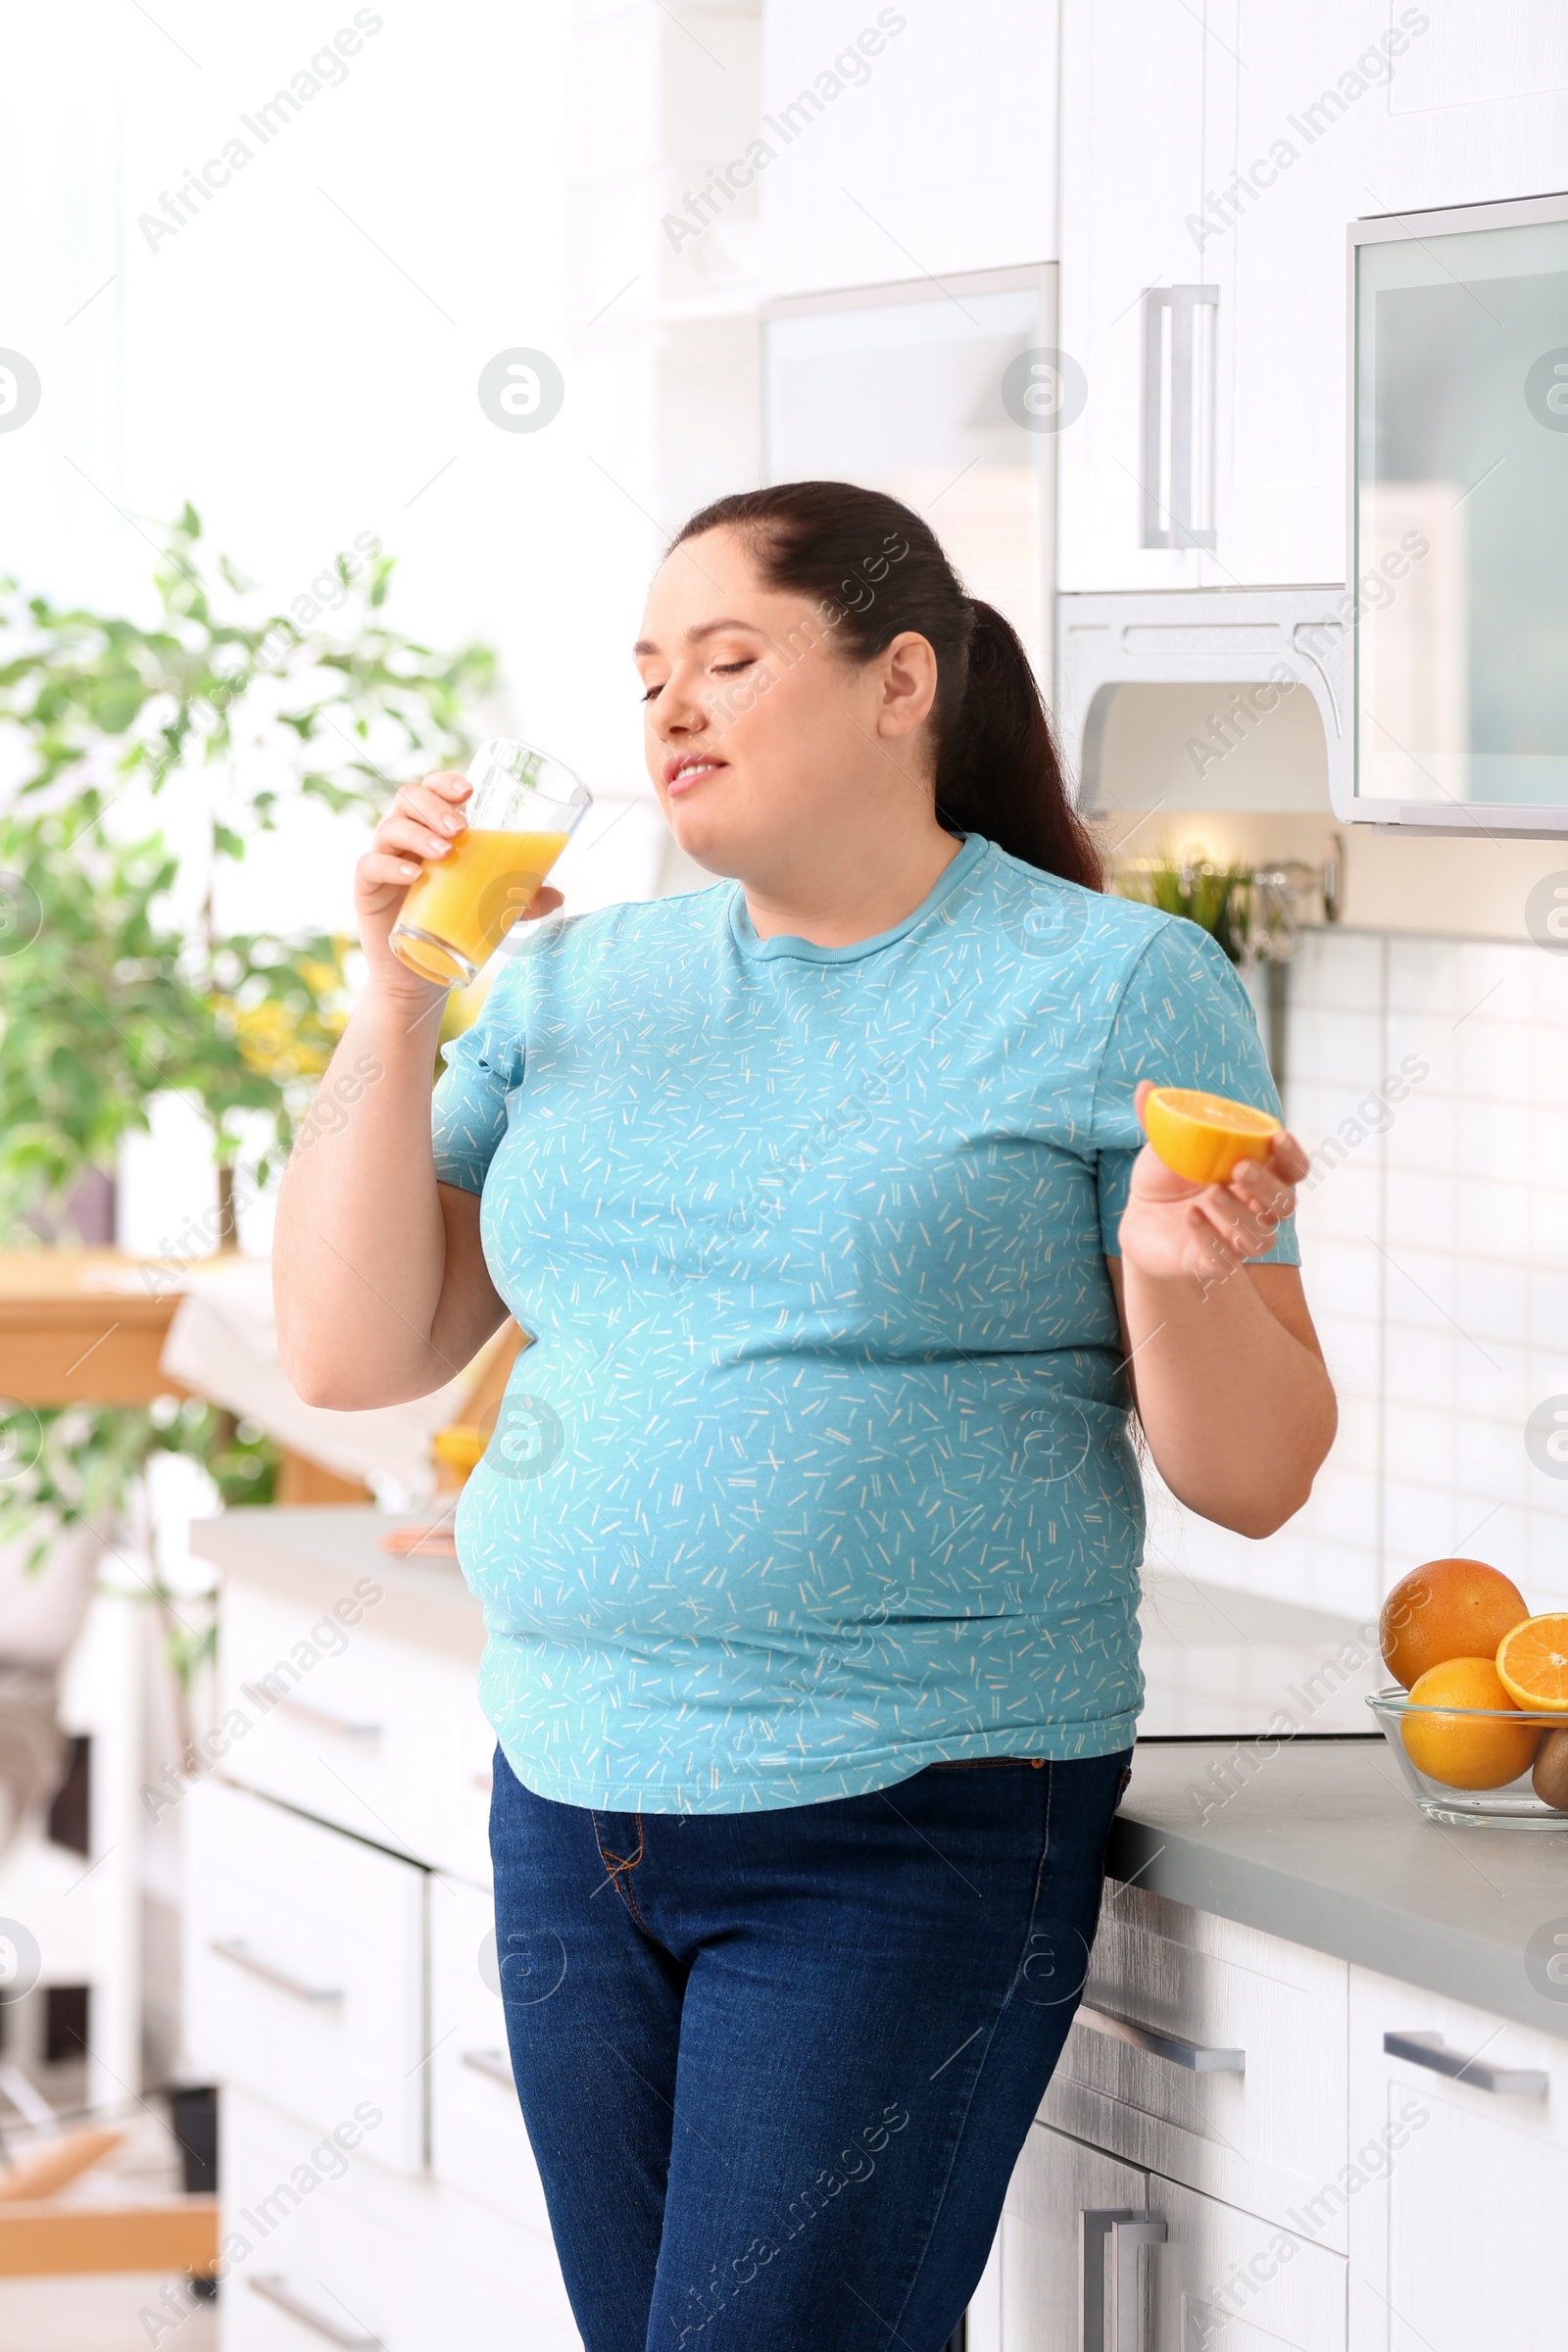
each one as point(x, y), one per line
point(695, 636)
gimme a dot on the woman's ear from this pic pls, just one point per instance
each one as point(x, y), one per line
point(909, 685)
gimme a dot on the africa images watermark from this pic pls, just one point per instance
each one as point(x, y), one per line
point(849, 69)
point(326, 70)
point(327, 2160)
point(1228, 1775)
point(326, 1638)
point(1373, 70)
point(1373, 2160)
point(1374, 592)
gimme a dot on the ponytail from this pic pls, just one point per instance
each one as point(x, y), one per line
point(877, 569)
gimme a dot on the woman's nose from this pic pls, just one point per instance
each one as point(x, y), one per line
point(678, 712)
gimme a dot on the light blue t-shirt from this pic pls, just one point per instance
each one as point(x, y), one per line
point(819, 1468)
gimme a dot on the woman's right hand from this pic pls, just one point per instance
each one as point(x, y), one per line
point(422, 822)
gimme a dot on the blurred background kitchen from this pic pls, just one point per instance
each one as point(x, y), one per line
point(354, 368)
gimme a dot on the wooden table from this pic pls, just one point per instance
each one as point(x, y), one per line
point(88, 1326)
point(80, 1326)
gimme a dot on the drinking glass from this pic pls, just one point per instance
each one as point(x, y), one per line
point(524, 808)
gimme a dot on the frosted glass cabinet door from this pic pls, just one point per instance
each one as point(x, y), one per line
point(1460, 503)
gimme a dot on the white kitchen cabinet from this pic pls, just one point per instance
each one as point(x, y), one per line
point(478, 2141)
point(305, 1966)
point(323, 2245)
point(382, 1739)
point(1039, 2253)
point(1231, 145)
point(1276, 202)
point(1134, 80)
point(1454, 2189)
point(1212, 2055)
point(1204, 2276)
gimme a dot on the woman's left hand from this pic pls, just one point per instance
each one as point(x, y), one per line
point(1171, 1227)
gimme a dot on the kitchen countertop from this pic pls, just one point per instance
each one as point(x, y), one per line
point(1310, 1837)
point(1316, 1841)
point(317, 1555)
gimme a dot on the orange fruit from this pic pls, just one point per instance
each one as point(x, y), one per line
point(1447, 1609)
point(1467, 1750)
point(1204, 1137)
point(1532, 1663)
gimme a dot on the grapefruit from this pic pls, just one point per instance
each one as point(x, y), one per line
point(1447, 1609)
point(1465, 1749)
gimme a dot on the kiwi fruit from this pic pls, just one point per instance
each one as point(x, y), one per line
point(1549, 1779)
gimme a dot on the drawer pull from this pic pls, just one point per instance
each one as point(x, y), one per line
point(1176, 2051)
point(240, 1955)
point(494, 2064)
point(1122, 2234)
point(1431, 2051)
point(271, 2289)
point(321, 1719)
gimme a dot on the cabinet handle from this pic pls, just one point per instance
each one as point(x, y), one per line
point(1431, 2051)
point(494, 2064)
point(1176, 524)
point(319, 1718)
point(240, 1955)
point(1126, 2303)
point(1095, 2225)
point(1176, 2051)
point(273, 2290)
point(1125, 2234)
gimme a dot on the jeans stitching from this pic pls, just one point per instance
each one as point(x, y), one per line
point(620, 1868)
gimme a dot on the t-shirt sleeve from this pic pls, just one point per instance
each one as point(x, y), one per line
point(1182, 1019)
point(469, 1112)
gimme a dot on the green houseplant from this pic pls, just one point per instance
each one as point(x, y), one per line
point(108, 999)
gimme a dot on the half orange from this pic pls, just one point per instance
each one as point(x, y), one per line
point(1204, 1137)
point(1533, 1664)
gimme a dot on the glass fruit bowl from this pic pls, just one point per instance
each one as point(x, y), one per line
point(1479, 1767)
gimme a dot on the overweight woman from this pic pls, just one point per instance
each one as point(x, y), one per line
point(810, 1535)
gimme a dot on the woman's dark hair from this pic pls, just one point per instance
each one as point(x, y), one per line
point(877, 569)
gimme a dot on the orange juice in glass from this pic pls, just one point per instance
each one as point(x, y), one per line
point(523, 811)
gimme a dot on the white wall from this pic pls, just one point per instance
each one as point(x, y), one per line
point(301, 359)
point(1436, 1263)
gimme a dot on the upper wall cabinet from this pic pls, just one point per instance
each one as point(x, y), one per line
point(928, 391)
point(1213, 159)
point(1460, 503)
point(1132, 171)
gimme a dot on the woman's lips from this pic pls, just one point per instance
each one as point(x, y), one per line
point(681, 774)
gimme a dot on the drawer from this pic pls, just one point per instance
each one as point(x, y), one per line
point(1211, 2277)
point(478, 2142)
point(325, 2247)
point(1457, 2184)
point(1239, 2087)
point(305, 1968)
point(384, 1740)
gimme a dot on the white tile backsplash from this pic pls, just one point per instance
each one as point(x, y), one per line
point(1434, 1254)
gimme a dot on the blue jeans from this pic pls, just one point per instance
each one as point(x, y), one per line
point(777, 2066)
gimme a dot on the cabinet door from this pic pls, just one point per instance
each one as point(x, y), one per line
point(1132, 166)
point(1456, 2189)
point(1225, 2283)
point(325, 2246)
point(1266, 2125)
point(1039, 2246)
point(1285, 159)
